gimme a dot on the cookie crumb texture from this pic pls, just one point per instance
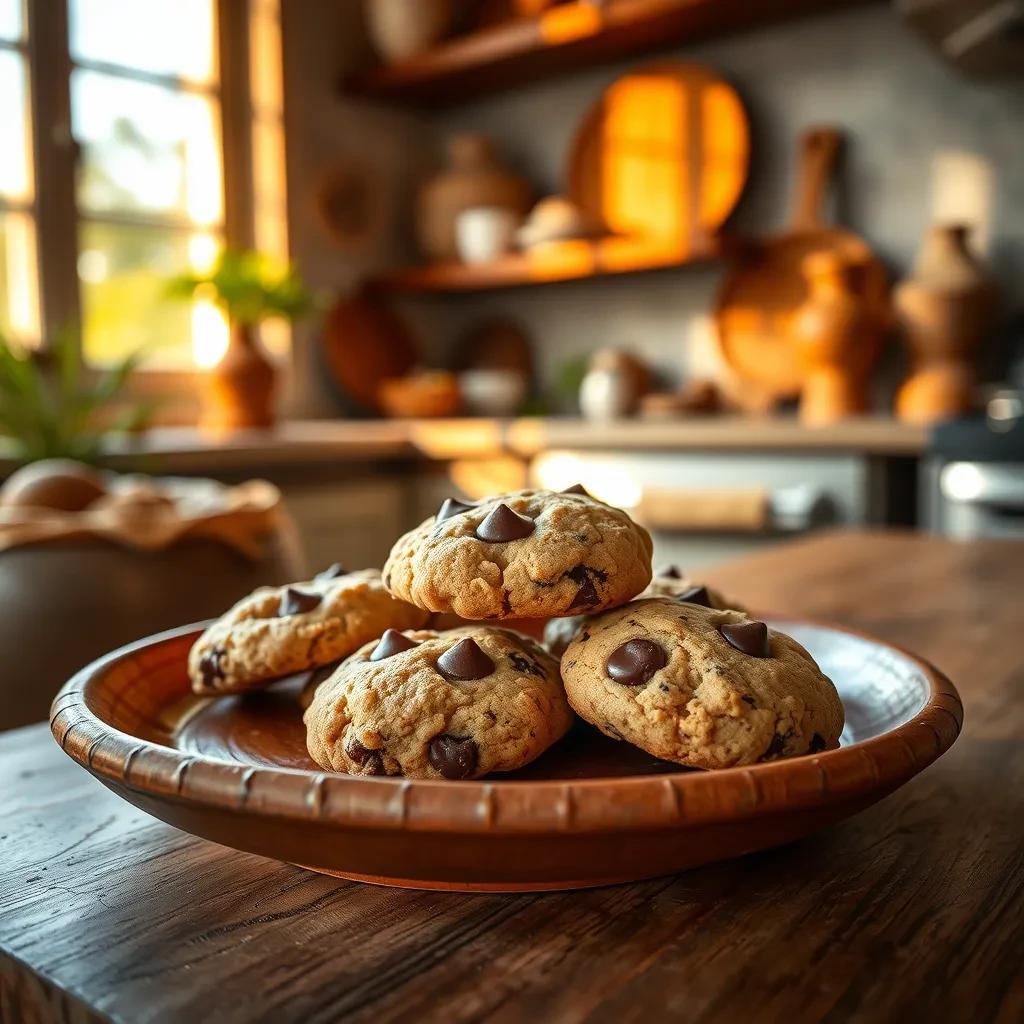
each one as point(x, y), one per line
point(254, 643)
point(401, 716)
point(580, 556)
point(708, 705)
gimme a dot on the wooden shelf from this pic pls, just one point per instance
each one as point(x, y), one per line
point(562, 261)
point(561, 39)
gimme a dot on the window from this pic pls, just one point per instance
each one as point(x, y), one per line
point(146, 87)
point(19, 302)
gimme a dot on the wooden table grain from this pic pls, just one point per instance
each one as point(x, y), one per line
point(911, 911)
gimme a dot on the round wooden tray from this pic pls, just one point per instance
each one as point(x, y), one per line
point(589, 812)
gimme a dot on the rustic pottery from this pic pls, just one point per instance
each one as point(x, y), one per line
point(403, 28)
point(485, 233)
point(944, 310)
point(836, 341)
point(474, 178)
point(241, 388)
point(589, 812)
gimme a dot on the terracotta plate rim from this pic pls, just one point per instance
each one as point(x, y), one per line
point(846, 775)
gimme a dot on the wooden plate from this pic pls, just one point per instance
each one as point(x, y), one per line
point(590, 812)
point(664, 153)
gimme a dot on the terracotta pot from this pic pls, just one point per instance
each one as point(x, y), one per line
point(944, 311)
point(241, 387)
point(836, 341)
point(474, 178)
point(403, 28)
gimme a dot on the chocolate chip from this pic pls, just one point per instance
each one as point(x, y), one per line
point(817, 743)
point(587, 595)
point(332, 572)
point(523, 663)
point(670, 572)
point(777, 747)
point(635, 662)
point(371, 760)
point(392, 642)
point(584, 636)
point(296, 601)
point(503, 525)
point(455, 757)
point(465, 661)
point(696, 595)
point(211, 664)
point(749, 637)
point(577, 489)
point(746, 698)
point(452, 507)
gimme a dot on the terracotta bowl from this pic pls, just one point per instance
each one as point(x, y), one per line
point(589, 812)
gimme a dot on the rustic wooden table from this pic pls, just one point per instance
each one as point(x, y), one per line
point(911, 911)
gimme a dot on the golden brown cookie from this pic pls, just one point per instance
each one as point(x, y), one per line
point(699, 686)
point(277, 631)
point(529, 554)
point(427, 705)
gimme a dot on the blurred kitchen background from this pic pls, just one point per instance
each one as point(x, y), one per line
point(747, 268)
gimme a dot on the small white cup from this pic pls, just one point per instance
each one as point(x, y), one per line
point(483, 233)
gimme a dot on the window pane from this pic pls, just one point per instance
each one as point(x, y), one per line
point(11, 24)
point(163, 37)
point(124, 270)
point(19, 300)
point(146, 148)
point(15, 176)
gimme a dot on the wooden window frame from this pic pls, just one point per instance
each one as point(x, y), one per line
point(54, 204)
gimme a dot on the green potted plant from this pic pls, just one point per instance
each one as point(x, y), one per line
point(51, 408)
point(249, 288)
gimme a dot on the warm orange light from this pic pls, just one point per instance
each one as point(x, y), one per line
point(570, 21)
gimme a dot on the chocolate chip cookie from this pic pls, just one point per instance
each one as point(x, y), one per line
point(700, 686)
point(529, 554)
point(669, 581)
point(428, 705)
point(277, 631)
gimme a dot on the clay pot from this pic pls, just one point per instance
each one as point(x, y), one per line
point(63, 485)
point(401, 29)
point(474, 178)
point(836, 341)
point(241, 387)
point(944, 311)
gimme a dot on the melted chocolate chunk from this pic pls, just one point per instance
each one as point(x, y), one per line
point(503, 525)
point(635, 662)
point(524, 663)
point(392, 642)
point(371, 760)
point(296, 601)
point(465, 661)
point(670, 572)
point(746, 698)
point(455, 757)
point(577, 489)
point(332, 572)
point(776, 748)
point(749, 637)
point(696, 595)
point(451, 507)
point(587, 595)
point(817, 743)
point(211, 664)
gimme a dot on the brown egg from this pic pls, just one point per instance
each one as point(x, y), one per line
point(59, 484)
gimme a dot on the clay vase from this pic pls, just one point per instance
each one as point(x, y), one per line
point(474, 178)
point(944, 312)
point(836, 341)
point(241, 387)
point(401, 29)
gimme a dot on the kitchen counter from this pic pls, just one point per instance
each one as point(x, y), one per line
point(910, 910)
point(186, 450)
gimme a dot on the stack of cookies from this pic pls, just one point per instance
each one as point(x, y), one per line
point(666, 665)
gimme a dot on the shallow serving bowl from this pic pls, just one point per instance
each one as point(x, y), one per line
point(589, 812)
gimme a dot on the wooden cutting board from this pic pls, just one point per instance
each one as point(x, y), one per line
point(766, 285)
point(663, 154)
